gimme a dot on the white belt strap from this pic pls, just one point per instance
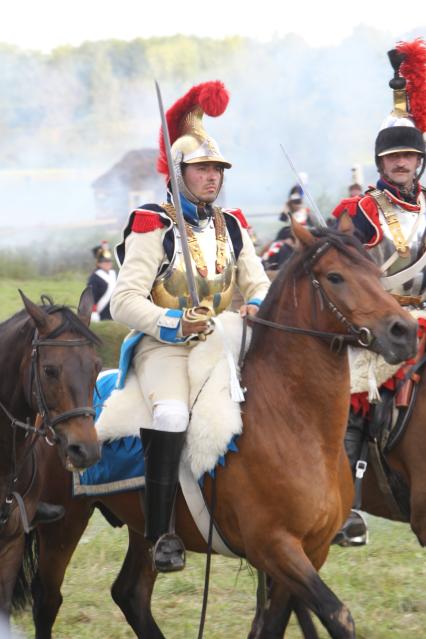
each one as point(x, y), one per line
point(198, 509)
point(237, 393)
point(398, 279)
point(110, 280)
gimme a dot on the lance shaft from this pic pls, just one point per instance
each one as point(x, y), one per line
point(318, 215)
point(190, 278)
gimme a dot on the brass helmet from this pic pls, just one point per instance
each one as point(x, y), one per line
point(190, 141)
point(403, 129)
point(102, 252)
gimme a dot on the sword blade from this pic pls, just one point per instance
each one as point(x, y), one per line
point(190, 278)
point(318, 215)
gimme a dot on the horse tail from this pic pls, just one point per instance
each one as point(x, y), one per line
point(304, 619)
point(22, 595)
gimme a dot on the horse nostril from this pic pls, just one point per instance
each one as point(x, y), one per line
point(398, 329)
point(83, 456)
point(76, 453)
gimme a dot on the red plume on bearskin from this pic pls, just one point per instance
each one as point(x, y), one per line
point(212, 97)
point(413, 69)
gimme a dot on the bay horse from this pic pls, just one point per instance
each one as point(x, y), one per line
point(403, 500)
point(48, 367)
point(282, 498)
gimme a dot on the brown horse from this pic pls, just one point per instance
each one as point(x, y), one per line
point(48, 370)
point(402, 500)
point(282, 498)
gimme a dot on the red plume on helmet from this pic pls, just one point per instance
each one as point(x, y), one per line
point(413, 69)
point(213, 99)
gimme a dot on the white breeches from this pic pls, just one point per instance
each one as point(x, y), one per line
point(162, 372)
point(170, 415)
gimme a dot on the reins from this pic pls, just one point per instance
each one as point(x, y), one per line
point(355, 336)
point(47, 429)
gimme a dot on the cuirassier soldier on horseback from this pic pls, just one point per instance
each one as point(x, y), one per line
point(390, 219)
point(152, 295)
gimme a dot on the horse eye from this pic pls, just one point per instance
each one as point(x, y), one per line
point(335, 278)
point(51, 371)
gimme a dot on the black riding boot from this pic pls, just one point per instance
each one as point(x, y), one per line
point(162, 451)
point(354, 531)
point(47, 513)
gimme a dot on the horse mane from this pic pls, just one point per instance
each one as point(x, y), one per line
point(295, 267)
point(22, 322)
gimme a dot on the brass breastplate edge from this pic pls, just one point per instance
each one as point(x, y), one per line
point(194, 248)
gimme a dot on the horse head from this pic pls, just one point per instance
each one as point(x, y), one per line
point(60, 372)
point(347, 296)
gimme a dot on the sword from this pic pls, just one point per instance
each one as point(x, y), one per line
point(190, 278)
point(319, 216)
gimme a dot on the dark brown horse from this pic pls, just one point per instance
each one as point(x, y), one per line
point(282, 498)
point(48, 370)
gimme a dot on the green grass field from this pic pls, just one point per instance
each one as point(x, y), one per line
point(381, 583)
point(62, 291)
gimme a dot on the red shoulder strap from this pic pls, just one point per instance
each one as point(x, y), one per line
point(145, 221)
point(239, 215)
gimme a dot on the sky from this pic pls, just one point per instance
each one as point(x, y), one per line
point(46, 24)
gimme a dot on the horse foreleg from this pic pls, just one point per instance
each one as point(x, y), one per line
point(11, 556)
point(295, 575)
point(273, 610)
point(57, 542)
point(132, 590)
point(263, 600)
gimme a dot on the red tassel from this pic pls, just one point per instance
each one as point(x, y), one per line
point(413, 69)
point(212, 97)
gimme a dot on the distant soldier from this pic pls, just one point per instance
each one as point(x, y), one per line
point(279, 250)
point(295, 208)
point(102, 281)
point(275, 253)
point(355, 188)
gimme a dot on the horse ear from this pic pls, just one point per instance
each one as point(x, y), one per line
point(40, 318)
point(345, 224)
point(85, 305)
point(302, 234)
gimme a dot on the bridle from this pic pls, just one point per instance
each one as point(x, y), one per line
point(48, 424)
point(356, 336)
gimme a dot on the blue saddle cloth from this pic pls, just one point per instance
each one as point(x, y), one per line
point(121, 466)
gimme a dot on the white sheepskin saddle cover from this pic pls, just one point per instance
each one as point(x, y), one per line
point(365, 366)
point(216, 418)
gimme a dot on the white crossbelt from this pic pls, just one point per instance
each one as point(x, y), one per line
point(110, 278)
point(398, 279)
